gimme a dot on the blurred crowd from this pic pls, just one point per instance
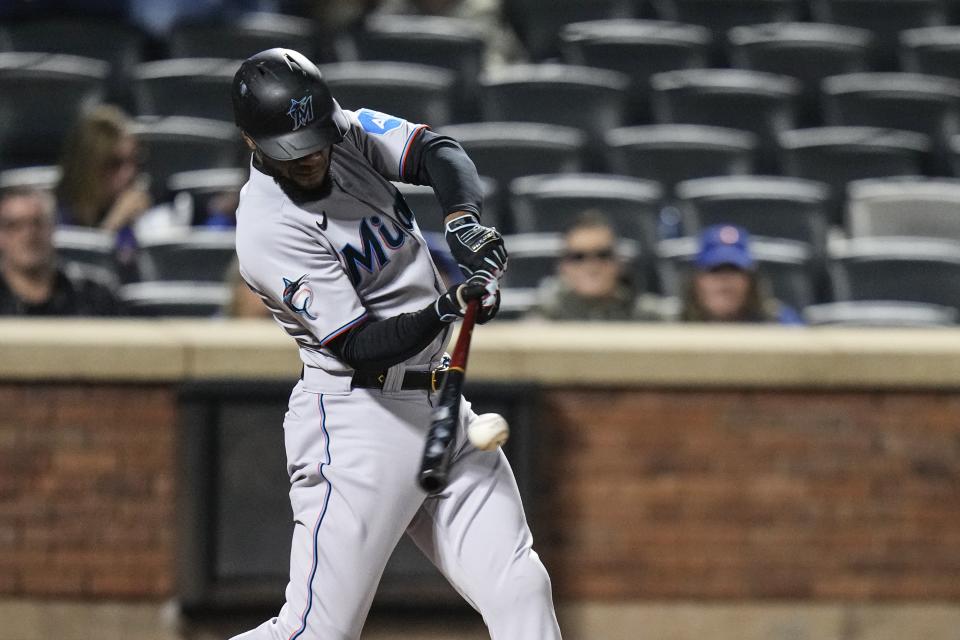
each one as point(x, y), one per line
point(125, 205)
point(102, 186)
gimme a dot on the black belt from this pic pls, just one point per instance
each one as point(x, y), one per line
point(412, 380)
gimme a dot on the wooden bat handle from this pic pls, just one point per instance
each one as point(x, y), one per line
point(438, 449)
point(461, 349)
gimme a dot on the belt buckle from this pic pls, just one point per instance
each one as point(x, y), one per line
point(434, 383)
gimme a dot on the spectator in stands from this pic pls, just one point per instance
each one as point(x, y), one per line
point(591, 282)
point(503, 45)
point(158, 16)
point(220, 211)
point(725, 286)
point(101, 184)
point(243, 302)
point(31, 281)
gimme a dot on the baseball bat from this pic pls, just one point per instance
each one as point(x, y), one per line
point(438, 450)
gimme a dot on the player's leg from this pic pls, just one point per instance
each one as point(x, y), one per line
point(352, 461)
point(477, 535)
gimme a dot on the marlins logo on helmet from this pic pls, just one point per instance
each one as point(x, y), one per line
point(301, 111)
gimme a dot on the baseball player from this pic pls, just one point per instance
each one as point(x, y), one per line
point(336, 255)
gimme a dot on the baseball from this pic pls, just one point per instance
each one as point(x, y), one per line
point(488, 431)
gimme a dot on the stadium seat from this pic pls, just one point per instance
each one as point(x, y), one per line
point(195, 87)
point(414, 92)
point(905, 207)
point(722, 15)
point(192, 190)
point(242, 37)
point(954, 145)
point(774, 207)
point(41, 96)
point(534, 256)
point(550, 203)
point(86, 245)
point(516, 302)
point(808, 52)
point(912, 102)
point(839, 155)
point(763, 103)
point(113, 41)
point(457, 45)
point(638, 49)
point(896, 268)
point(871, 313)
point(670, 153)
point(885, 18)
point(426, 208)
point(538, 23)
point(177, 144)
point(507, 150)
point(932, 50)
point(200, 255)
point(786, 264)
point(585, 98)
point(43, 177)
point(175, 299)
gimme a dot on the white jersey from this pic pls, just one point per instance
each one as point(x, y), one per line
point(355, 255)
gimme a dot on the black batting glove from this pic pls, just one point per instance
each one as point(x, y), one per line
point(452, 305)
point(476, 248)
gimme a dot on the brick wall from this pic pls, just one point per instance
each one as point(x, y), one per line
point(648, 494)
point(86, 490)
point(728, 494)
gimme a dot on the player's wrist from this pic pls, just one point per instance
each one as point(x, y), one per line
point(459, 219)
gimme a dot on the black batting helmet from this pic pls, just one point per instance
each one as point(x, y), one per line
point(282, 102)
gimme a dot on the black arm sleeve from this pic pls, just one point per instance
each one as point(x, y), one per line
point(440, 162)
point(384, 343)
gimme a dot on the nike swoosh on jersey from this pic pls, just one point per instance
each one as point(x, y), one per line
point(322, 222)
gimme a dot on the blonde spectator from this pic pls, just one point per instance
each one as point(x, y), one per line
point(101, 185)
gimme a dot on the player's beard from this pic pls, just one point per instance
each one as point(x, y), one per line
point(297, 193)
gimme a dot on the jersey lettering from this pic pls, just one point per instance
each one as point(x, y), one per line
point(395, 240)
point(372, 252)
point(403, 211)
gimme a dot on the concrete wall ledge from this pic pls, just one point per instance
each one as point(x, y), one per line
point(556, 354)
point(71, 620)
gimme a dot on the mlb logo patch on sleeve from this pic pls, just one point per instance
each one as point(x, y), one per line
point(377, 123)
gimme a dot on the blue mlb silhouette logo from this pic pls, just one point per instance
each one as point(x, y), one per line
point(377, 123)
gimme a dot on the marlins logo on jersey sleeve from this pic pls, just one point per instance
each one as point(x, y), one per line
point(304, 285)
point(385, 140)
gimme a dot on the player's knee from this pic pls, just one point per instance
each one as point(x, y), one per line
point(526, 585)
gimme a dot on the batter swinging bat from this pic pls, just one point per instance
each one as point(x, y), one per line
point(438, 451)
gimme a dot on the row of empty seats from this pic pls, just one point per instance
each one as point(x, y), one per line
point(539, 25)
point(43, 94)
point(427, 69)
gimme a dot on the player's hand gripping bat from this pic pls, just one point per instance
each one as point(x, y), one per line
point(438, 451)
